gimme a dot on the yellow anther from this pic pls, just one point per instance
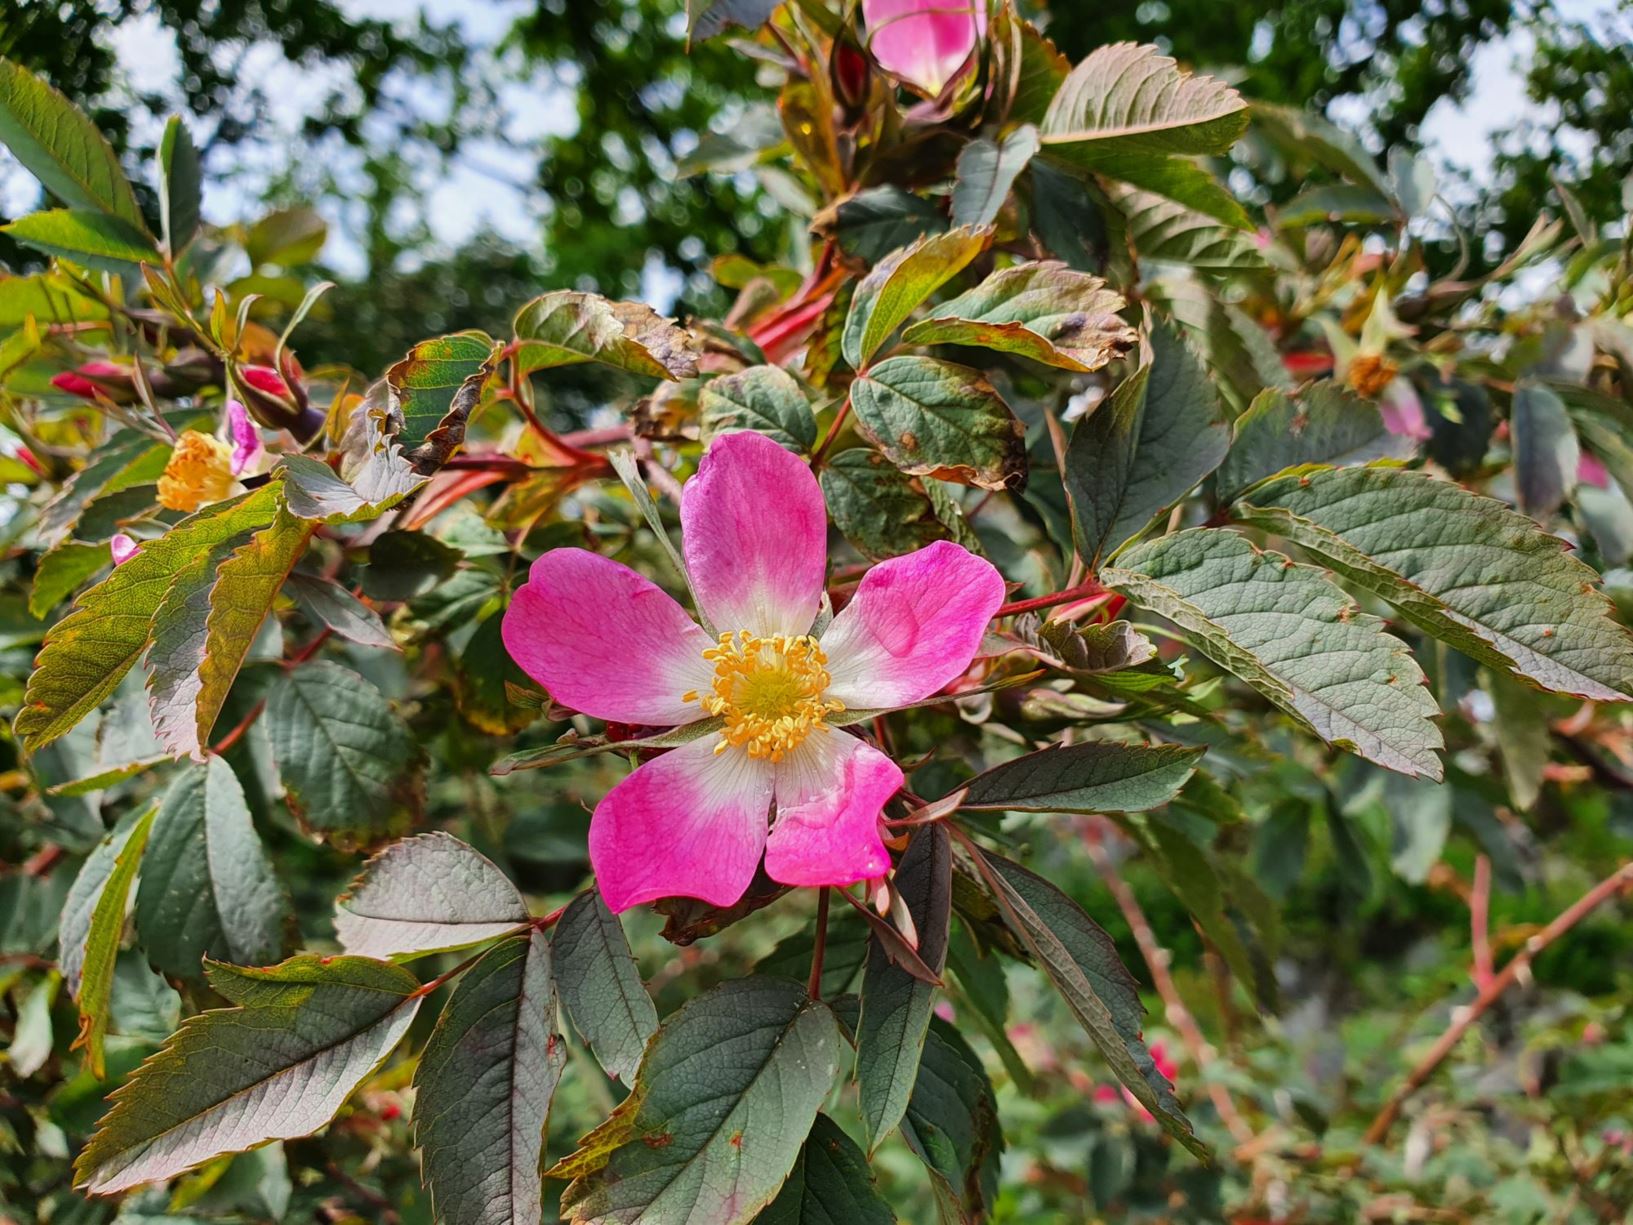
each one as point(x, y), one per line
point(768, 690)
point(199, 472)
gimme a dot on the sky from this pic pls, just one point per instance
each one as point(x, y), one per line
point(466, 196)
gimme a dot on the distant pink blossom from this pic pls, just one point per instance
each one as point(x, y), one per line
point(123, 548)
point(609, 642)
point(1402, 411)
point(924, 43)
point(1590, 470)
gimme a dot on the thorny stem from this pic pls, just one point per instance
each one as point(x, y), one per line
point(1156, 960)
point(1514, 971)
point(814, 986)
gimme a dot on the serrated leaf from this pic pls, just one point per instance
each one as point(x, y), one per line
point(1096, 776)
point(180, 182)
point(1462, 567)
point(94, 239)
point(1143, 448)
point(1045, 311)
point(729, 1088)
point(830, 1184)
point(1546, 452)
point(330, 604)
point(707, 18)
point(94, 972)
point(933, 418)
point(986, 170)
point(1320, 424)
point(952, 1126)
point(88, 652)
point(871, 224)
point(1040, 71)
point(436, 386)
point(484, 680)
point(352, 773)
point(566, 327)
point(317, 493)
point(208, 888)
point(1127, 98)
point(1289, 632)
point(601, 988)
point(126, 460)
point(1303, 131)
point(1239, 353)
point(426, 894)
point(1165, 230)
point(63, 570)
point(483, 1088)
point(763, 398)
point(881, 510)
point(58, 145)
point(899, 283)
point(896, 1006)
point(304, 1034)
point(1082, 961)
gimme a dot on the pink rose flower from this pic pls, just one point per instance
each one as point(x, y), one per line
point(924, 43)
point(245, 438)
point(609, 642)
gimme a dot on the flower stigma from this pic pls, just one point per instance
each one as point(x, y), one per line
point(768, 690)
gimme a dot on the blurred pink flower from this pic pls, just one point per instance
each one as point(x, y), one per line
point(924, 43)
point(1590, 470)
point(611, 643)
point(1402, 411)
point(123, 548)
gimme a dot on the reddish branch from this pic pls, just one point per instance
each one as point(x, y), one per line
point(1515, 970)
point(814, 986)
point(1083, 591)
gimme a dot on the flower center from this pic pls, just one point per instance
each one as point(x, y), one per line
point(768, 690)
point(199, 471)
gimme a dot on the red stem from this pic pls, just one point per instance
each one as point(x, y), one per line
point(1082, 591)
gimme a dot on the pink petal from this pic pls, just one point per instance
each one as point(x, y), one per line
point(829, 793)
point(756, 536)
point(690, 823)
point(914, 624)
point(246, 439)
point(924, 42)
point(1402, 411)
point(607, 641)
point(1590, 470)
point(122, 547)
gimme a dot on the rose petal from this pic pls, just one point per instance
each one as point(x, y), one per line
point(690, 823)
point(923, 42)
point(756, 536)
point(246, 439)
point(607, 641)
point(914, 624)
point(122, 547)
point(829, 793)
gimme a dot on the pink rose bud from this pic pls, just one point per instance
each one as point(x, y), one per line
point(924, 43)
point(278, 401)
point(265, 378)
point(98, 380)
point(123, 547)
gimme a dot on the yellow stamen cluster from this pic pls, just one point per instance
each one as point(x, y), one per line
point(199, 471)
point(769, 691)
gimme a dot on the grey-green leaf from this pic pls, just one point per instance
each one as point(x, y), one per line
point(426, 894)
point(830, 1184)
point(1093, 777)
point(208, 888)
point(896, 286)
point(881, 510)
point(483, 1088)
point(933, 418)
point(952, 1126)
point(1546, 451)
point(1323, 424)
point(1288, 631)
point(895, 1005)
point(763, 398)
point(600, 985)
point(987, 169)
point(180, 183)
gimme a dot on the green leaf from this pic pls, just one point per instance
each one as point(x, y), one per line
point(126, 460)
point(180, 183)
point(64, 569)
point(1125, 98)
point(1323, 424)
point(286, 237)
point(899, 283)
point(896, 1006)
point(88, 652)
point(208, 888)
point(763, 398)
point(1335, 203)
point(1166, 231)
point(1082, 962)
point(1096, 776)
point(1143, 448)
point(426, 894)
point(483, 1088)
point(844, 956)
point(74, 925)
point(352, 772)
point(436, 386)
point(47, 297)
point(881, 510)
point(707, 18)
point(482, 683)
point(1463, 568)
point(58, 145)
point(102, 939)
point(601, 988)
point(315, 492)
point(871, 224)
point(96, 240)
point(566, 327)
point(1238, 352)
point(1043, 311)
point(1546, 451)
point(1523, 738)
point(987, 169)
point(304, 1035)
point(830, 1184)
point(952, 1126)
point(1307, 133)
point(933, 418)
point(1040, 72)
point(729, 1088)
point(1289, 632)
point(328, 603)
